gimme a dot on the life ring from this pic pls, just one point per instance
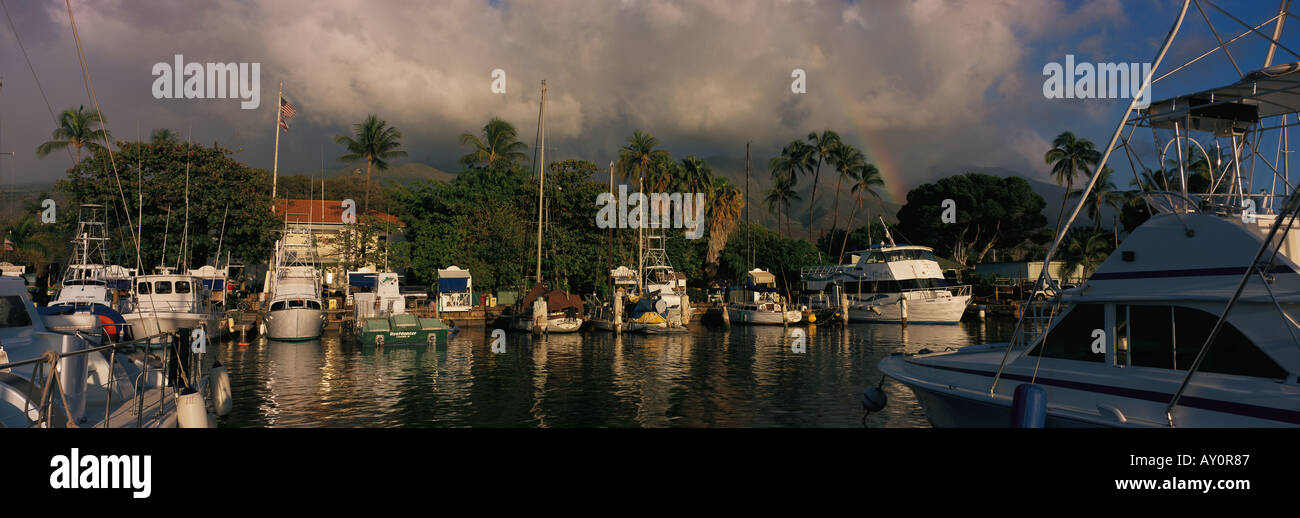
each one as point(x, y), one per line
point(107, 324)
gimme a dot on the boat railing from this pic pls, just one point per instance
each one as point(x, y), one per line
point(50, 361)
point(823, 271)
point(937, 292)
point(1036, 319)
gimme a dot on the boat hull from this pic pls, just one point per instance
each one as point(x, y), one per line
point(294, 324)
point(943, 310)
point(553, 324)
point(152, 323)
point(753, 317)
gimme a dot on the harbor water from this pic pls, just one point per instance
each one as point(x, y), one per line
point(743, 376)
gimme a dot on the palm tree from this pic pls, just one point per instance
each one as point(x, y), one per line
point(375, 142)
point(1070, 156)
point(639, 156)
point(778, 197)
point(847, 160)
point(30, 241)
point(498, 143)
point(1104, 194)
point(724, 209)
point(792, 161)
point(866, 179)
point(693, 176)
point(76, 129)
point(1084, 248)
point(822, 147)
point(163, 137)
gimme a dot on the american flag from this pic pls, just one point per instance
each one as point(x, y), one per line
point(286, 112)
point(9, 245)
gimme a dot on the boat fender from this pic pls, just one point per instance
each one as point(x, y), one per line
point(874, 399)
point(220, 386)
point(190, 411)
point(1029, 406)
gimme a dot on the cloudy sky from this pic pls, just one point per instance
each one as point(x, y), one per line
point(926, 88)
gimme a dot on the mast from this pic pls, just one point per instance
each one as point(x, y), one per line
point(749, 247)
point(275, 163)
point(541, 183)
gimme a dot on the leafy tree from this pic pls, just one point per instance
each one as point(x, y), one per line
point(164, 137)
point(990, 211)
point(1084, 247)
point(79, 129)
point(373, 141)
point(157, 174)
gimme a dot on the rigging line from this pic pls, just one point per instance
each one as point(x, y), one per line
point(1256, 31)
point(1222, 45)
point(1211, 51)
point(39, 88)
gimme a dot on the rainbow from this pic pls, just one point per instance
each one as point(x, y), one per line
point(878, 153)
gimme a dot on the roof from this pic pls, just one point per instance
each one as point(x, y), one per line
point(759, 276)
point(321, 211)
point(1266, 92)
point(453, 272)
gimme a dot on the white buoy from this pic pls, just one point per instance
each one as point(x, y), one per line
point(220, 386)
point(190, 411)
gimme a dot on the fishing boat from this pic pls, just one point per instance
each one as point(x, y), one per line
point(664, 304)
point(891, 283)
point(165, 302)
point(380, 315)
point(294, 311)
point(1191, 322)
point(92, 295)
point(759, 303)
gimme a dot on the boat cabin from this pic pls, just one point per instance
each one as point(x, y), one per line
point(455, 289)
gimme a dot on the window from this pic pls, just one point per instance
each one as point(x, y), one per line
point(295, 303)
point(897, 255)
point(875, 257)
point(909, 284)
point(277, 306)
point(182, 286)
point(142, 288)
point(162, 287)
point(928, 256)
point(1071, 338)
point(13, 313)
point(1151, 339)
point(311, 304)
point(1231, 352)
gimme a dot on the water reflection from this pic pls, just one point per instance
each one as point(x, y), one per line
point(744, 376)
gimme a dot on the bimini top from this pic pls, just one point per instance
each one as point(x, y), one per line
point(879, 247)
point(760, 277)
point(1266, 92)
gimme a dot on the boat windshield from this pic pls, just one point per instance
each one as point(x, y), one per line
point(875, 257)
point(13, 313)
point(182, 286)
point(142, 288)
point(162, 287)
point(910, 255)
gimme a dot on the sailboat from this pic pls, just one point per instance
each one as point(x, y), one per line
point(545, 310)
point(294, 310)
point(759, 303)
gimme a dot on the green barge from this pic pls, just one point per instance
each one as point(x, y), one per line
point(402, 329)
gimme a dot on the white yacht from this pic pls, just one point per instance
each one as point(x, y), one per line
point(890, 283)
point(1191, 322)
point(164, 302)
point(759, 302)
point(294, 310)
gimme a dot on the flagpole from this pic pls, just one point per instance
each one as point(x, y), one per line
point(275, 164)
